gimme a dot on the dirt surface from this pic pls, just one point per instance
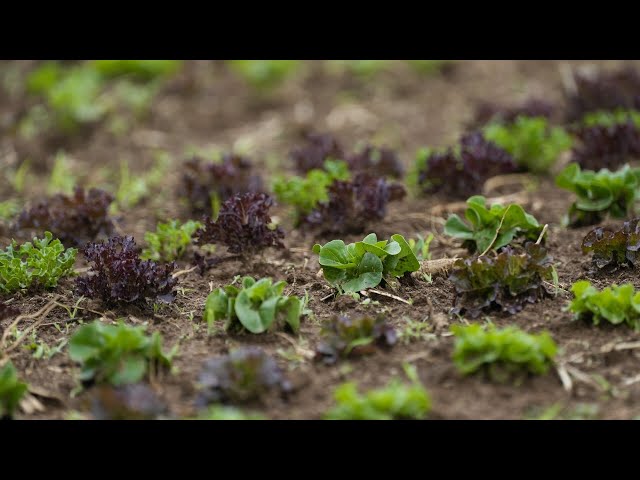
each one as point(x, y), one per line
point(206, 107)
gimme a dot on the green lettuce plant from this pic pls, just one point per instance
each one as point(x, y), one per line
point(362, 265)
point(616, 304)
point(600, 193)
point(255, 307)
point(37, 264)
point(493, 227)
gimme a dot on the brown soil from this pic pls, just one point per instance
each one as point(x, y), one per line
point(206, 107)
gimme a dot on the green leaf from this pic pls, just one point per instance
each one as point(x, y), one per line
point(368, 274)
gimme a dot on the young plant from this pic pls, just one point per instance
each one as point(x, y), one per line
point(501, 353)
point(362, 265)
point(612, 248)
point(420, 246)
point(117, 354)
point(615, 304)
point(118, 275)
point(534, 144)
point(243, 375)
point(314, 154)
point(396, 401)
point(461, 171)
point(305, 193)
point(72, 94)
point(506, 281)
point(256, 307)
point(206, 185)
point(11, 390)
point(243, 225)
point(607, 146)
point(600, 193)
point(35, 265)
point(382, 161)
point(75, 219)
point(169, 241)
point(493, 227)
point(354, 205)
point(344, 337)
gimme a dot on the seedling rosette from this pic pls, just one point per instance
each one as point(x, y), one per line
point(362, 265)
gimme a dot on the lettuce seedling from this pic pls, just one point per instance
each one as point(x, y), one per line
point(396, 401)
point(615, 304)
point(117, 354)
point(600, 193)
point(11, 390)
point(493, 227)
point(611, 247)
point(506, 281)
point(35, 265)
point(315, 152)
point(169, 241)
point(344, 337)
point(606, 146)
point(243, 375)
point(353, 205)
point(534, 144)
point(118, 275)
point(463, 169)
point(256, 307)
point(206, 185)
point(75, 220)
point(501, 353)
point(362, 265)
point(305, 193)
point(243, 225)
point(420, 246)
